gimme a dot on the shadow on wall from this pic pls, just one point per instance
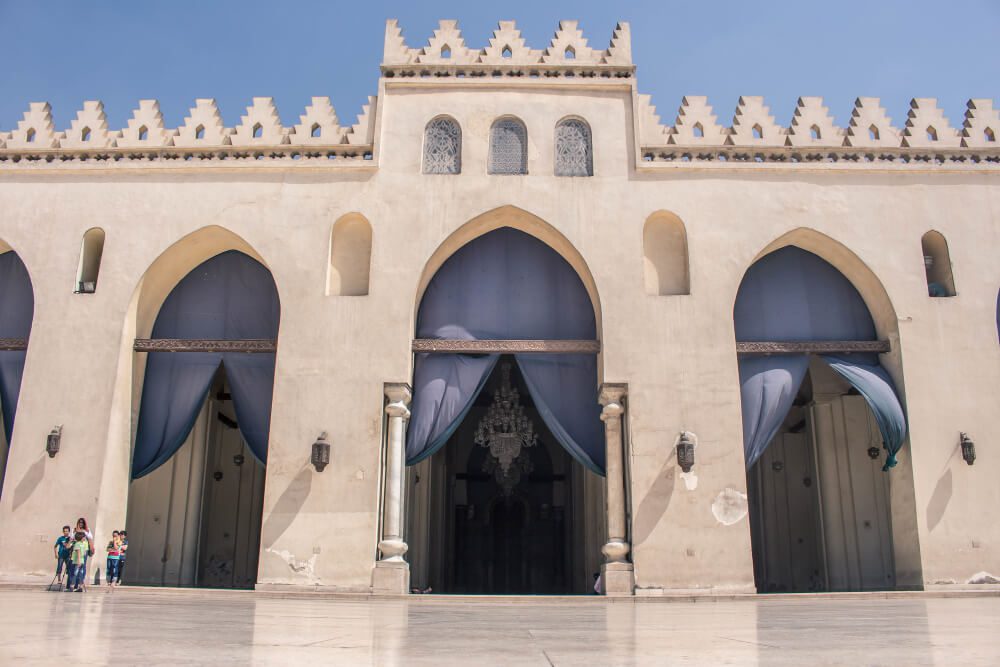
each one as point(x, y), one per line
point(939, 500)
point(654, 504)
point(287, 507)
point(29, 482)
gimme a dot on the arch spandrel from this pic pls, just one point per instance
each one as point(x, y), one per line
point(516, 218)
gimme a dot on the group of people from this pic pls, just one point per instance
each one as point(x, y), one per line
point(75, 547)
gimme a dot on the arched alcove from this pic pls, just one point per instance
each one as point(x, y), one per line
point(91, 252)
point(665, 255)
point(350, 256)
point(17, 309)
point(937, 264)
point(810, 441)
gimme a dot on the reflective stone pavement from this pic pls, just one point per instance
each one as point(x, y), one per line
point(176, 628)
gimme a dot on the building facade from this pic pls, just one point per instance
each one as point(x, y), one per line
point(509, 307)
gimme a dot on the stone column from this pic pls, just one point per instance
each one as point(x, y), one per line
point(391, 574)
point(617, 575)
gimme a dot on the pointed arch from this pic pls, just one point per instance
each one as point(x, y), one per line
point(665, 255)
point(17, 310)
point(937, 264)
point(520, 219)
point(350, 256)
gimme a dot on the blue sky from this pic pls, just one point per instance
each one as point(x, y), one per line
point(68, 51)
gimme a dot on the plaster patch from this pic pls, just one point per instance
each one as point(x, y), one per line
point(305, 568)
point(729, 506)
point(690, 480)
point(983, 578)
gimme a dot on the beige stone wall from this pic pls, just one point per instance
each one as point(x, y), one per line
point(335, 352)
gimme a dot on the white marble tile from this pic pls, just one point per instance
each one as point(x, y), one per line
point(150, 628)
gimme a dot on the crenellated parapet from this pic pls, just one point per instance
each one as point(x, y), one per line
point(753, 138)
point(567, 56)
point(698, 138)
point(203, 135)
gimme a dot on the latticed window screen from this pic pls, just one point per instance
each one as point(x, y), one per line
point(443, 147)
point(508, 147)
point(574, 155)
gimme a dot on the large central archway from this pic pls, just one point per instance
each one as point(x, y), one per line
point(198, 462)
point(506, 450)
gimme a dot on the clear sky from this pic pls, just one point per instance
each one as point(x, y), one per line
point(68, 51)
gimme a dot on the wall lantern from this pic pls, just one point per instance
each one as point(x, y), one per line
point(685, 451)
point(52, 441)
point(968, 449)
point(320, 453)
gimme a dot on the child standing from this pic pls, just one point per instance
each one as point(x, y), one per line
point(78, 560)
point(114, 554)
point(61, 550)
point(124, 554)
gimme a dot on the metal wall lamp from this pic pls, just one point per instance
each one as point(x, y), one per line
point(52, 441)
point(320, 458)
point(968, 449)
point(685, 451)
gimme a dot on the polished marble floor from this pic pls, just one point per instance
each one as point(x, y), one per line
point(152, 628)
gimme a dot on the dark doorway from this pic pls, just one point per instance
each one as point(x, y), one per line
point(494, 531)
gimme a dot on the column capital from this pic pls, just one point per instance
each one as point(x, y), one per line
point(610, 397)
point(399, 395)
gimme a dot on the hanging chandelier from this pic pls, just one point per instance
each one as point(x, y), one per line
point(506, 430)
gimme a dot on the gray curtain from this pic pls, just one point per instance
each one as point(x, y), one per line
point(768, 386)
point(229, 297)
point(507, 285)
point(793, 295)
point(870, 379)
point(17, 308)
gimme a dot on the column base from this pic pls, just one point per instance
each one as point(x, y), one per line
point(391, 577)
point(617, 579)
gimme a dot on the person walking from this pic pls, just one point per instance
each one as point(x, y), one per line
point(81, 527)
point(77, 579)
point(61, 550)
point(114, 550)
point(124, 554)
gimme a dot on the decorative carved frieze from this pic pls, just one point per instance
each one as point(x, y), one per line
point(435, 346)
point(13, 344)
point(812, 347)
point(250, 346)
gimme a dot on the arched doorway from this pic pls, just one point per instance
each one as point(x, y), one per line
point(506, 451)
point(17, 308)
point(197, 465)
point(823, 425)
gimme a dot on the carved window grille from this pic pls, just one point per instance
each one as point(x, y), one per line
point(443, 147)
point(508, 147)
point(574, 152)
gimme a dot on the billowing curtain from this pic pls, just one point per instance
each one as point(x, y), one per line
point(229, 297)
point(870, 379)
point(768, 386)
point(793, 295)
point(507, 285)
point(17, 308)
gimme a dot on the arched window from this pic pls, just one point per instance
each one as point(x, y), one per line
point(665, 255)
point(350, 257)
point(574, 150)
point(443, 147)
point(937, 264)
point(508, 147)
point(90, 261)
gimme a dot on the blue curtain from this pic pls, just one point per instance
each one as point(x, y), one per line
point(17, 308)
point(870, 379)
point(768, 386)
point(229, 297)
point(794, 295)
point(507, 285)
